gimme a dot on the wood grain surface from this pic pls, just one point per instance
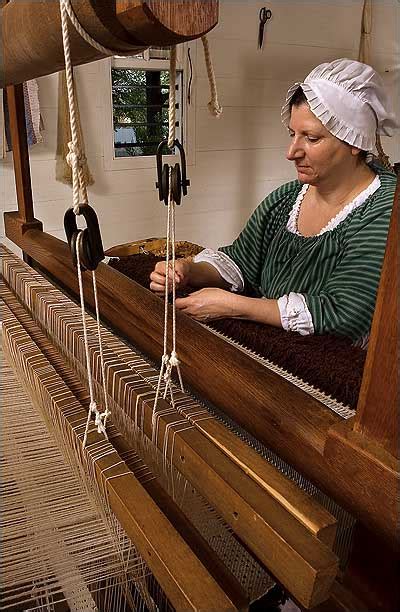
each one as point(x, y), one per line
point(32, 41)
point(280, 415)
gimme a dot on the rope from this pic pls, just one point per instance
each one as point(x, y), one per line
point(168, 362)
point(75, 159)
point(91, 41)
point(172, 98)
point(366, 29)
point(213, 105)
point(100, 418)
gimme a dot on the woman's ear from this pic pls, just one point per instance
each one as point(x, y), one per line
point(355, 150)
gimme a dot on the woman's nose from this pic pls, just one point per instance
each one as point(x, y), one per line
point(294, 151)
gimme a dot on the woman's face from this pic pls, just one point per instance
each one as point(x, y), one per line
point(318, 155)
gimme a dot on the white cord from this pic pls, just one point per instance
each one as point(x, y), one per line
point(79, 197)
point(172, 98)
point(99, 417)
point(67, 6)
point(168, 362)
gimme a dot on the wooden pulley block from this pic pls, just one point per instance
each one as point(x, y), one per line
point(32, 38)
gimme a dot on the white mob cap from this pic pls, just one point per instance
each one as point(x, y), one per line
point(349, 99)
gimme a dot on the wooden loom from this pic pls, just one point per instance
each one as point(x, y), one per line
point(354, 461)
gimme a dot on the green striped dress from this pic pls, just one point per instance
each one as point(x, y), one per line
point(337, 272)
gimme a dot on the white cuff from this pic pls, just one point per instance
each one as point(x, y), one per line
point(226, 267)
point(295, 315)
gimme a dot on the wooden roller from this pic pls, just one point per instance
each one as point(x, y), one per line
point(32, 40)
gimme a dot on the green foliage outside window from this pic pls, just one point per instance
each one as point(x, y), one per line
point(140, 110)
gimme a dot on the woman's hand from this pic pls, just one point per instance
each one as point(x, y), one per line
point(213, 303)
point(158, 276)
point(207, 304)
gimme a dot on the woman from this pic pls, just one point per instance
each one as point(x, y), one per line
point(311, 254)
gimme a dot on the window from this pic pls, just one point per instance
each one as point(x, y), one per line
point(136, 110)
point(140, 109)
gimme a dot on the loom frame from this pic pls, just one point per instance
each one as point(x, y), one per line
point(356, 461)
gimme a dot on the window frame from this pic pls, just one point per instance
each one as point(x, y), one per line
point(187, 112)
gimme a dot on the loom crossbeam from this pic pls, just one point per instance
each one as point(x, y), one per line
point(355, 461)
point(281, 416)
point(32, 42)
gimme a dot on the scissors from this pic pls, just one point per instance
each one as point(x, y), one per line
point(264, 15)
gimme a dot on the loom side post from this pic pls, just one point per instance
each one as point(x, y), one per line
point(22, 171)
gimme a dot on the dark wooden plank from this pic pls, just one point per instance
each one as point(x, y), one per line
point(372, 572)
point(377, 412)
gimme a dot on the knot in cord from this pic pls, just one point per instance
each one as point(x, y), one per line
point(76, 158)
point(214, 108)
point(73, 157)
point(173, 360)
point(93, 406)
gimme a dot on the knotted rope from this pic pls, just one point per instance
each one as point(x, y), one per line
point(213, 105)
point(169, 362)
point(75, 159)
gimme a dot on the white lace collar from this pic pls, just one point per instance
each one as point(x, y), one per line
point(341, 216)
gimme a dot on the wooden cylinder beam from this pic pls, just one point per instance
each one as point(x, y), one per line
point(32, 39)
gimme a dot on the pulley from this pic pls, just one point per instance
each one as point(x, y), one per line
point(179, 182)
point(91, 251)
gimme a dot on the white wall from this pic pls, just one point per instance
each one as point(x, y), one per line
point(238, 158)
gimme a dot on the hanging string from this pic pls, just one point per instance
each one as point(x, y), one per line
point(213, 105)
point(67, 7)
point(100, 417)
point(75, 158)
point(168, 362)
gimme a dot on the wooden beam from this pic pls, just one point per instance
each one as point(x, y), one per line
point(366, 467)
point(32, 41)
point(22, 170)
point(280, 415)
point(163, 19)
point(185, 528)
point(377, 415)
